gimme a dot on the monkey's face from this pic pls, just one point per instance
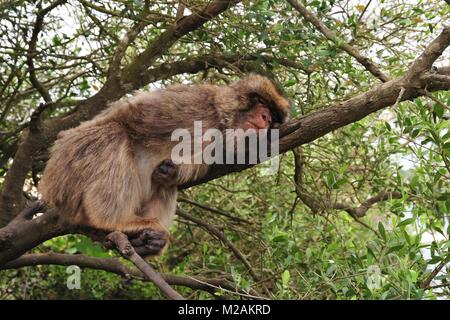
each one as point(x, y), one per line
point(261, 113)
point(260, 104)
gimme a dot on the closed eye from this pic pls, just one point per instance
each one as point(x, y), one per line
point(257, 99)
point(276, 116)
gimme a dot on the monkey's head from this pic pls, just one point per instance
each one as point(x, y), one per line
point(259, 104)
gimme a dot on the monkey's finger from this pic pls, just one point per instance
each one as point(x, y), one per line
point(145, 252)
point(149, 250)
point(152, 249)
point(156, 243)
point(145, 236)
point(136, 242)
point(149, 234)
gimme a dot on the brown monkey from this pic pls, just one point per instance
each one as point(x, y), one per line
point(109, 172)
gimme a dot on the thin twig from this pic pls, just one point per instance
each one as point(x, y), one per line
point(214, 210)
point(125, 248)
point(426, 283)
point(370, 66)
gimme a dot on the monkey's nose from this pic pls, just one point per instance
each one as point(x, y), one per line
point(267, 118)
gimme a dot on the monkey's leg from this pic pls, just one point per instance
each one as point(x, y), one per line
point(139, 224)
point(154, 214)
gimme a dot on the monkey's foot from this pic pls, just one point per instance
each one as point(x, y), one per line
point(166, 172)
point(149, 242)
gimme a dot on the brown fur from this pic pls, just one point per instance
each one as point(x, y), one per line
point(100, 173)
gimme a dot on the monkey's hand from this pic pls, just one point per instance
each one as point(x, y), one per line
point(165, 173)
point(149, 242)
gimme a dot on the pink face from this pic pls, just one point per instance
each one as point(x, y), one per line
point(259, 117)
point(259, 114)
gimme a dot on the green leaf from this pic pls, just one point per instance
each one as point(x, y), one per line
point(285, 278)
point(414, 133)
point(290, 83)
point(71, 250)
point(396, 248)
point(414, 275)
point(55, 40)
point(438, 110)
point(434, 260)
point(406, 222)
point(388, 126)
point(280, 238)
point(382, 231)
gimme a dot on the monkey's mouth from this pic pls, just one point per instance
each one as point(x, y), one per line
point(250, 125)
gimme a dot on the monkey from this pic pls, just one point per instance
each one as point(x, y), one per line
point(114, 172)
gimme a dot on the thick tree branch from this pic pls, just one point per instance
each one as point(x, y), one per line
point(443, 70)
point(422, 65)
point(192, 66)
point(354, 52)
point(180, 10)
point(22, 234)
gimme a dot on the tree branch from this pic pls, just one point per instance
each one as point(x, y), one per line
point(422, 65)
point(127, 39)
point(219, 234)
point(426, 283)
point(125, 248)
point(354, 52)
point(32, 49)
point(171, 35)
point(361, 210)
point(114, 265)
